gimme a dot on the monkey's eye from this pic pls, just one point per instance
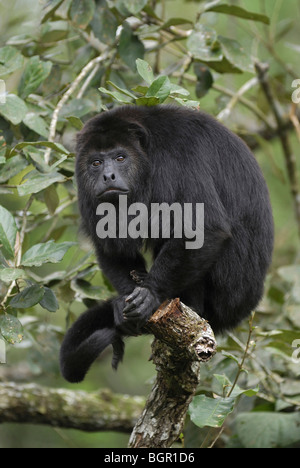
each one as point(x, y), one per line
point(96, 163)
point(120, 158)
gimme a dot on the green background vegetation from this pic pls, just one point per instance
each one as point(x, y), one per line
point(47, 272)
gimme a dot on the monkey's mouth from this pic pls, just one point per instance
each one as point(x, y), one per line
point(113, 191)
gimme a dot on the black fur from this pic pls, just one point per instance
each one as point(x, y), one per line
point(174, 155)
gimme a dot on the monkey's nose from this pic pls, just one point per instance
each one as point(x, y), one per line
point(109, 177)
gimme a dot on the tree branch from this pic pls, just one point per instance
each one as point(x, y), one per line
point(183, 341)
point(101, 411)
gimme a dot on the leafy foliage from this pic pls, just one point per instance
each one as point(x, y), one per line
point(78, 58)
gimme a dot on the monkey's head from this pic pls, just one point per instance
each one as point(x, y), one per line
point(111, 158)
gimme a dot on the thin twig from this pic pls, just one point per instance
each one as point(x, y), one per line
point(90, 66)
point(290, 160)
point(294, 119)
point(18, 252)
point(224, 114)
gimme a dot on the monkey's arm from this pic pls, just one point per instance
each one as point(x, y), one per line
point(118, 268)
point(174, 270)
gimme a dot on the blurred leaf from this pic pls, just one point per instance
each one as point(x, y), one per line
point(54, 5)
point(10, 60)
point(225, 385)
point(14, 109)
point(130, 47)
point(75, 122)
point(29, 297)
point(204, 79)
point(35, 73)
point(290, 273)
point(134, 6)
point(54, 31)
point(218, 6)
point(8, 232)
point(45, 253)
point(11, 329)
point(104, 24)
point(51, 199)
point(49, 301)
point(175, 22)
point(212, 412)
point(236, 55)
point(55, 146)
point(121, 90)
point(145, 71)
point(81, 12)
point(7, 275)
point(37, 124)
point(36, 182)
point(36, 157)
point(12, 167)
point(268, 430)
point(203, 44)
point(119, 97)
point(86, 290)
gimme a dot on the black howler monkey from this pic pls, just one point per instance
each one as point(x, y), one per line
point(171, 155)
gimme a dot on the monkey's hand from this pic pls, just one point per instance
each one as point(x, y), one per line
point(128, 328)
point(141, 304)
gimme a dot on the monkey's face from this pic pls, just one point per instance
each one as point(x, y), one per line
point(109, 172)
point(111, 161)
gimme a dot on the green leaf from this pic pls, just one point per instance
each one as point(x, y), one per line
point(82, 12)
point(29, 297)
point(11, 329)
point(204, 79)
point(203, 44)
point(45, 253)
point(211, 412)
point(86, 290)
point(145, 71)
point(36, 157)
point(224, 386)
point(49, 301)
point(36, 182)
point(218, 6)
point(148, 101)
point(175, 90)
point(10, 60)
point(35, 73)
point(7, 275)
point(54, 31)
point(8, 232)
point(119, 97)
point(291, 273)
point(55, 146)
point(268, 430)
point(12, 167)
point(130, 47)
point(75, 122)
point(134, 6)
point(37, 124)
point(122, 90)
point(160, 88)
point(55, 4)
point(236, 55)
point(51, 199)
point(14, 109)
point(175, 22)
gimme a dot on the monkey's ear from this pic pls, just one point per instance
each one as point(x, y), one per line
point(140, 132)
